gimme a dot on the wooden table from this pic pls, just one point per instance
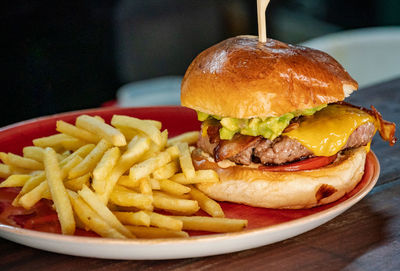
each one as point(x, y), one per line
point(366, 237)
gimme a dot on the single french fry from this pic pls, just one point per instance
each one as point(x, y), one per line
point(91, 219)
point(90, 161)
point(15, 181)
point(59, 141)
point(33, 152)
point(166, 171)
point(139, 218)
point(148, 166)
point(103, 169)
point(188, 137)
point(72, 130)
point(58, 192)
point(151, 232)
point(165, 222)
point(208, 205)
point(22, 162)
point(211, 224)
point(83, 151)
point(5, 171)
point(145, 127)
point(29, 199)
point(145, 186)
point(101, 209)
point(77, 183)
point(37, 153)
point(127, 182)
point(173, 187)
point(201, 176)
point(128, 198)
point(161, 201)
point(185, 161)
point(101, 129)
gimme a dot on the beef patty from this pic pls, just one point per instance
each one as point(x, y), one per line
point(243, 149)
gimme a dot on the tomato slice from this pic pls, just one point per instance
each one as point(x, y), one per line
point(306, 164)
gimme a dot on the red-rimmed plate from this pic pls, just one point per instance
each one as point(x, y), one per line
point(265, 226)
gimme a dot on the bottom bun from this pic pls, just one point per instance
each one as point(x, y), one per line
point(284, 190)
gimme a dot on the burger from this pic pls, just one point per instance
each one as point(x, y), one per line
point(274, 124)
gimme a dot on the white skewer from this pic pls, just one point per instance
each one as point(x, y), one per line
point(262, 28)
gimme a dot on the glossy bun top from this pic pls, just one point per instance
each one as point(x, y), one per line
point(243, 78)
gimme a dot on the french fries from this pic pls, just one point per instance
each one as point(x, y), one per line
point(98, 181)
point(212, 224)
point(16, 180)
point(69, 129)
point(103, 169)
point(58, 192)
point(96, 126)
point(188, 137)
point(137, 124)
point(185, 161)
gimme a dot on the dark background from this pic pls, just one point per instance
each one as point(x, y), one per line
point(64, 55)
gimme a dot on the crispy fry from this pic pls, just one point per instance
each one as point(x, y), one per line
point(91, 219)
point(83, 151)
point(128, 182)
point(72, 130)
point(145, 127)
point(201, 176)
point(128, 198)
point(165, 222)
point(15, 180)
point(58, 192)
point(140, 218)
point(188, 137)
point(185, 161)
point(162, 201)
point(58, 142)
point(103, 169)
point(151, 233)
point(37, 153)
point(212, 224)
point(208, 205)
point(22, 162)
point(173, 187)
point(101, 209)
point(33, 196)
point(101, 129)
point(90, 161)
point(148, 166)
point(166, 171)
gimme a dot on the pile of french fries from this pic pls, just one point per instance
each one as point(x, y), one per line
point(123, 180)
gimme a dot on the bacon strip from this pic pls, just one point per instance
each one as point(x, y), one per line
point(230, 148)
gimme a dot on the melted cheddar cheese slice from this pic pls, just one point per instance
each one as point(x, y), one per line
point(326, 132)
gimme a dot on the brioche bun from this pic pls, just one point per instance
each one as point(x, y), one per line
point(284, 190)
point(242, 78)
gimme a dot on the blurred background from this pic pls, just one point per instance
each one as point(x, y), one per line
point(60, 56)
